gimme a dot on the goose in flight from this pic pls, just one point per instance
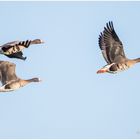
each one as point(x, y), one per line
point(113, 53)
point(9, 79)
point(14, 49)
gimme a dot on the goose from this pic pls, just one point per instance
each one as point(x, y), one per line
point(113, 52)
point(10, 81)
point(14, 49)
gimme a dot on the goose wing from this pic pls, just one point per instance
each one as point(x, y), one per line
point(7, 72)
point(18, 55)
point(110, 45)
point(10, 43)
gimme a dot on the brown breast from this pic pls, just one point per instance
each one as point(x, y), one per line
point(117, 67)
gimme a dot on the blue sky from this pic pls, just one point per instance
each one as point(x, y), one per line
point(72, 101)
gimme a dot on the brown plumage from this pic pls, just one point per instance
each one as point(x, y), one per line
point(14, 49)
point(113, 53)
point(9, 79)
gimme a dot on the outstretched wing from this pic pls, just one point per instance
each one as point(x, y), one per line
point(7, 72)
point(110, 44)
point(10, 43)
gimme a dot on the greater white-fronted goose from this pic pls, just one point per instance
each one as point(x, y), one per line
point(113, 53)
point(14, 49)
point(9, 79)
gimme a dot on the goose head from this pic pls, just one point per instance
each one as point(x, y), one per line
point(37, 41)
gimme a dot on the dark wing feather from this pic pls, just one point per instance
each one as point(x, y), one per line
point(18, 55)
point(7, 72)
point(110, 44)
point(103, 48)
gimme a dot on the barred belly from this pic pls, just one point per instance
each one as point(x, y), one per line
point(16, 48)
point(115, 68)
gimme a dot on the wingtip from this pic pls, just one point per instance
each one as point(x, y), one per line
point(110, 22)
point(109, 25)
point(24, 58)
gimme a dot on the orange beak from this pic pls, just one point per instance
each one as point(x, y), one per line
point(101, 71)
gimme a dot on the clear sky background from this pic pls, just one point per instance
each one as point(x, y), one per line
point(72, 101)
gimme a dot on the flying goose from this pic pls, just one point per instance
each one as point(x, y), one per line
point(8, 78)
point(113, 53)
point(14, 49)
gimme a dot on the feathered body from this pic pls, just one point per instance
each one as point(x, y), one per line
point(10, 81)
point(14, 49)
point(113, 53)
